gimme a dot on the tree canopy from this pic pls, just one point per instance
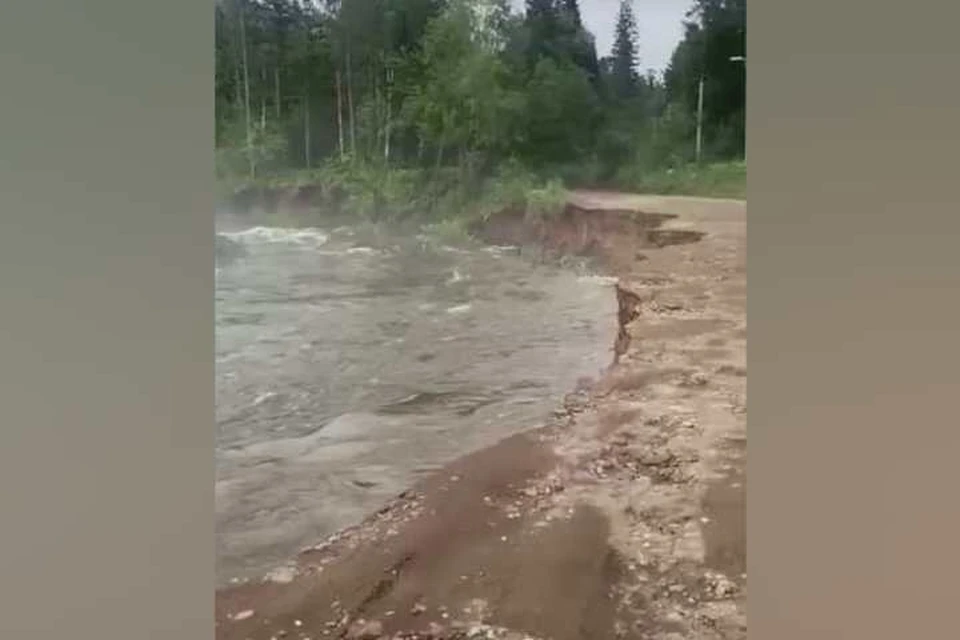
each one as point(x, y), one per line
point(461, 83)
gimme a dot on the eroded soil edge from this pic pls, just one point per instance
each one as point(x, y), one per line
point(622, 518)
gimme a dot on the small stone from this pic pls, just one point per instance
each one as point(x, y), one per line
point(243, 615)
point(363, 630)
point(297, 623)
point(418, 609)
point(674, 617)
point(282, 575)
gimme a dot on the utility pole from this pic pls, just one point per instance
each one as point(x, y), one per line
point(742, 59)
point(700, 109)
point(700, 119)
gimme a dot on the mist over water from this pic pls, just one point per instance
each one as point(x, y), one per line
point(351, 361)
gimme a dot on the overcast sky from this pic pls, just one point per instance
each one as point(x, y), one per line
point(659, 26)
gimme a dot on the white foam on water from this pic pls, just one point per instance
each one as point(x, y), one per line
point(361, 250)
point(460, 308)
point(276, 235)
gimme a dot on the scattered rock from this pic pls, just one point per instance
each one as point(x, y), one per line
point(555, 484)
point(718, 586)
point(418, 609)
point(694, 379)
point(652, 457)
point(242, 615)
point(364, 630)
point(282, 575)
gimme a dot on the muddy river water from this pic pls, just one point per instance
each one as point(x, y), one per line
point(351, 361)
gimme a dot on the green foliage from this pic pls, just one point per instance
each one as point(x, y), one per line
point(453, 231)
point(718, 180)
point(546, 201)
point(624, 64)
point(430, 108)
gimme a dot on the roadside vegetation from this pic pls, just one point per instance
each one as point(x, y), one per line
point(432, 109)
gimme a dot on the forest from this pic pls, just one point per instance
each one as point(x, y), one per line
point(434, 104)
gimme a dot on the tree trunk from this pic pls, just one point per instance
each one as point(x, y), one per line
point(351, 112)
point(339, 90)
point(386, 126)
point(306, 128)
point(238, 83)
point(276, 89)
point(246, 94)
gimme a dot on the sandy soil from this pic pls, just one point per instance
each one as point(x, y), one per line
point(622, 518)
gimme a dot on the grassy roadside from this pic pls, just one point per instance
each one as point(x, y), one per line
point(446, 197)
point(718, 180)
point(449, 200)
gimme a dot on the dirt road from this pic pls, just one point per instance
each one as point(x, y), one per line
point(623, 518)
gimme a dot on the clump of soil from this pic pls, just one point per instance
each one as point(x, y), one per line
point(608, 234)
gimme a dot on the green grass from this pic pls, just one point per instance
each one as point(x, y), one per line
point(719, 180)
point(419, 195)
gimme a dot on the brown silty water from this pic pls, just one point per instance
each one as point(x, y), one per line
point(350, 363)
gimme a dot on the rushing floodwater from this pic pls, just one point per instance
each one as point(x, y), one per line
point(350, 363)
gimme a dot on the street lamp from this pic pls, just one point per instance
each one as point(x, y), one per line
point(700, 107)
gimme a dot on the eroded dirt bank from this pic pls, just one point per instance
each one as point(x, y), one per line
point(623, 518)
